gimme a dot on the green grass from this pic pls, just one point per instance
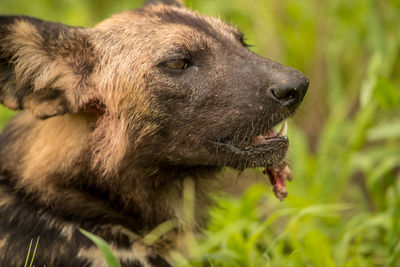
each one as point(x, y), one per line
point(103, 247)
point(5, 115)
point(343, 205)
point(33, 254)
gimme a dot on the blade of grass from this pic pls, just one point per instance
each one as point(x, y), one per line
point(104, 248)
point(27, 256)
point(34, 251)
point(159, 231)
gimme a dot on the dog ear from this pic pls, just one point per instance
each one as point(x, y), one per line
point(178, 3)
point(44, 67)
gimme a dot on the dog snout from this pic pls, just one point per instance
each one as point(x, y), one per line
point(289, 92)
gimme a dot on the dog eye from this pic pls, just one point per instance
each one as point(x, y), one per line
point(177, 64)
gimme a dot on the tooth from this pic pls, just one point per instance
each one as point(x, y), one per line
point(283, 130)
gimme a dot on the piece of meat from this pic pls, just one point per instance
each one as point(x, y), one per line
point(278, 177)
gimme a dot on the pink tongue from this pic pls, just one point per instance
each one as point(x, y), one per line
point(261, 140)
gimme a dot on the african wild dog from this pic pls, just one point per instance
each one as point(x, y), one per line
point(115, 117)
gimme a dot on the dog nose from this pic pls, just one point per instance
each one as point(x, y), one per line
point(289, 93)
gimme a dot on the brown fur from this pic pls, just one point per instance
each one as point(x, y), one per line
point(108, 133)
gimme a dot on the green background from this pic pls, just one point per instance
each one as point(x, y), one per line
point(344, 203)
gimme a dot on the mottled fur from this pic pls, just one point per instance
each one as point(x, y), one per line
point(107, 132)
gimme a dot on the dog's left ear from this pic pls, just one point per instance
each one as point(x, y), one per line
point(178, 3)
point(45, 67)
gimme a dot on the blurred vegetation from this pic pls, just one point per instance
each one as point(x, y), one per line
point(344, 203)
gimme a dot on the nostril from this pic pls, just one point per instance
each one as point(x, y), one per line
point(284, 95)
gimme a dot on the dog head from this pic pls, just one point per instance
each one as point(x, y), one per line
point(165, 85)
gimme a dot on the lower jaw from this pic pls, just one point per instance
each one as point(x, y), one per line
point(241, 160)
point(243, 164)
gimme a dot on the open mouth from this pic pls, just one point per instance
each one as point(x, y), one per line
point(259, 142)
point(269, 136)
point(268, 149)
